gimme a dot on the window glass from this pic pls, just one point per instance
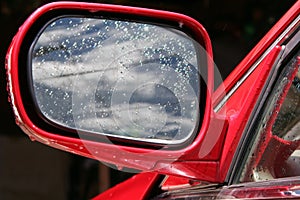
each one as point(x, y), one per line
point(275, 152)
point(288, 117)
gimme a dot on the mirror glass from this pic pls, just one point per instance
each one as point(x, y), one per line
point(116, 78)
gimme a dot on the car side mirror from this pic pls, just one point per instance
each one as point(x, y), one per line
point(127, 86)
point(118, 79)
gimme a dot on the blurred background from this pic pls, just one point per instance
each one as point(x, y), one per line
point(29, 170)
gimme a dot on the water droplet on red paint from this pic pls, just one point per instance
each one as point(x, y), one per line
point(32, 138)
point(17, 121)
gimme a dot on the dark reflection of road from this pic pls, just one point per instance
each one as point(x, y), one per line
point(119, 78)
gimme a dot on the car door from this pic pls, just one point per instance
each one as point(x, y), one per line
point(267, 163)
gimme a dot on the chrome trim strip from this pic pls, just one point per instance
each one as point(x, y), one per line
point(254, 66)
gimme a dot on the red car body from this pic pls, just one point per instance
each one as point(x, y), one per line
point(211, 156)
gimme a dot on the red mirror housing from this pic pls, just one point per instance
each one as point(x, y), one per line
point(197, 160)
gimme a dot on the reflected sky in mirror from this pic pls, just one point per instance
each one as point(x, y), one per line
point(117, 78)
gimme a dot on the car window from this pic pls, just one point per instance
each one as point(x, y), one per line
point(286, 125)
point(275, 151)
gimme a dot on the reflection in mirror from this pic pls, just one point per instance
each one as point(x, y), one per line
point(117, 78)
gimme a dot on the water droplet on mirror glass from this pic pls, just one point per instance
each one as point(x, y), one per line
point(119, 167)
